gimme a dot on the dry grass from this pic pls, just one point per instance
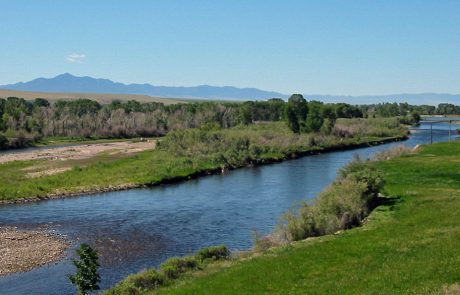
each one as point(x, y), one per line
point(102, 98)
point(451, 290)
point(388, 154)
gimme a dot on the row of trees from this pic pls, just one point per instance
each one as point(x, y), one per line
point(404, 109)
point(22, 121)
point(314, 116)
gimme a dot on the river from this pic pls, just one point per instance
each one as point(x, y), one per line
point(139, 228)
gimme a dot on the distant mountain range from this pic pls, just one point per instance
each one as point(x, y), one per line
point(68, 83)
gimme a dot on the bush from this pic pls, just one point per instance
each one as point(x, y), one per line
point(213, 253)
point(174, 267)
point(397, 151)
point(3, 141)
point(342, 205)
point(263, 243)
point(140, 283)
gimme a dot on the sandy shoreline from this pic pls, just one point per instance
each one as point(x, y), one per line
point(78, 152)
point(23, 250)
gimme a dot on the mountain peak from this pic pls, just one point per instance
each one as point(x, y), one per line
point(65, 75)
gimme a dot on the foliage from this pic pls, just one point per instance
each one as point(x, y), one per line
point(169, 271)
point(139, 283)
point(175, 266)
point(314, 116)
point(342, 205)
point(213, 253)
point(407, 110)
point(187, 152)
point(87, 277)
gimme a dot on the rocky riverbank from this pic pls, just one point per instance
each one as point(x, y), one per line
point(22, 250)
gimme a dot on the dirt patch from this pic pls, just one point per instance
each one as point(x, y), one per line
point(79, 152)
point(48, 172)
point(24, 250)
point(451, 290)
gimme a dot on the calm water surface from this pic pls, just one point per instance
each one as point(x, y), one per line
point(140, 228)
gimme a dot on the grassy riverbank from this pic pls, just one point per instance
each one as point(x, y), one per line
point(407, 246)
point(188, 153)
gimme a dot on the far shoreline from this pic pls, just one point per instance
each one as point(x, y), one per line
point(205, 172)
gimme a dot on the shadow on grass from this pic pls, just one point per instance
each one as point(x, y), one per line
point(387, 202)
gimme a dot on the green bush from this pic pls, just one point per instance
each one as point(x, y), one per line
point(174, 267)
point(148, 280)
point(213, 253)
point(342, 205)
point(139, 283)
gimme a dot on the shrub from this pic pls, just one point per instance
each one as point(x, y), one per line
point(139, 283)
point(3, 141)
point(392, 153)
point(341, 205)
point(148, 280)
point(263, 243)
point(213, 253)
point(173, 267)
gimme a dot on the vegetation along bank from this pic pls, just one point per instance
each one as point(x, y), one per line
point(187, 153)
point(407, 245)
point(25, 122)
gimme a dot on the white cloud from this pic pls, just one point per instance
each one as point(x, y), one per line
point(75, 58)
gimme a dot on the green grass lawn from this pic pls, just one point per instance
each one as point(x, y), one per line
point(409, 246)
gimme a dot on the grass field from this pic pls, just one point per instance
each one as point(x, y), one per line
point(411, 245)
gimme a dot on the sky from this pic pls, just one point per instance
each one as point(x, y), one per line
point(354, 47)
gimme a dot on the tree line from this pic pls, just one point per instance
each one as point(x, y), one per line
point(23, 122)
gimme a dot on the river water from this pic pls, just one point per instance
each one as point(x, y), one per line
point(139, 228)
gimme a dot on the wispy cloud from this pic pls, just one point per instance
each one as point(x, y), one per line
point(75, 58)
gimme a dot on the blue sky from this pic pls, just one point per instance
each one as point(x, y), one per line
point(353, 47)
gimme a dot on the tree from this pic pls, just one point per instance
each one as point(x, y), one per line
point(41, 102)
point(315, 117)
point(292, 121)
point(300, 106)
point(87, 277)
point(415, 117)
point(246, 111)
